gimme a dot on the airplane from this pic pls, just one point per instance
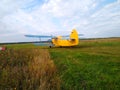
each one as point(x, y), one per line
point(58, 41)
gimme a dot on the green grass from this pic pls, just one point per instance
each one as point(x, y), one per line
point(20, 46)
point(93, 65)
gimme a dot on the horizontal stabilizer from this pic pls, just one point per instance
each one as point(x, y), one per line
point(80, 34)
point(69, 35)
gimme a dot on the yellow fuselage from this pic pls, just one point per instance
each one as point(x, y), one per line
point(73, 41)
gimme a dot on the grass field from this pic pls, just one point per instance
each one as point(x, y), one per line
point(93, 65)
point(27, 69)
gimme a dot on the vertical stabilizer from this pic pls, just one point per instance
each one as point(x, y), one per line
point(74, 37)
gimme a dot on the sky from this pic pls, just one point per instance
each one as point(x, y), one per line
point(93, 18)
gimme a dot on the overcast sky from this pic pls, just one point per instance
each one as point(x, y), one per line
point(93, 18)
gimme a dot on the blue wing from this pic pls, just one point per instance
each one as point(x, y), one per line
point(39, 36)
point(44, 36)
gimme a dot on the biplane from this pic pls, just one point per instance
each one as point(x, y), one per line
point(59, 41)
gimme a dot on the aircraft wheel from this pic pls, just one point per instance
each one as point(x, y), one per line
point(50, 46)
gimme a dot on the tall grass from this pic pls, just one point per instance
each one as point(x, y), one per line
point(27, 69)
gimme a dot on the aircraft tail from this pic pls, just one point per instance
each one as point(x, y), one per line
point(74, 37)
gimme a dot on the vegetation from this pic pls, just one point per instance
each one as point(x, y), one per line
point(27, 69)
point(93, 65)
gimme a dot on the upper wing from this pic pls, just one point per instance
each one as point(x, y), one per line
point(44, 36)
point(38, 36)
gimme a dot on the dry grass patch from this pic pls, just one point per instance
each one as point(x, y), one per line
point(27, 69)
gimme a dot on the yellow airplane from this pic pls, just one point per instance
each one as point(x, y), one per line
point(59, 41)
point(73, 41)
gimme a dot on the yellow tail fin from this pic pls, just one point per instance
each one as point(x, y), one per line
point(74, 37)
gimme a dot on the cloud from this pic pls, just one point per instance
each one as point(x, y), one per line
point(93, 18)
point(68, 8)
point(16, 20)
point(24, 22)
point(106, 21)
point(10, 6)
